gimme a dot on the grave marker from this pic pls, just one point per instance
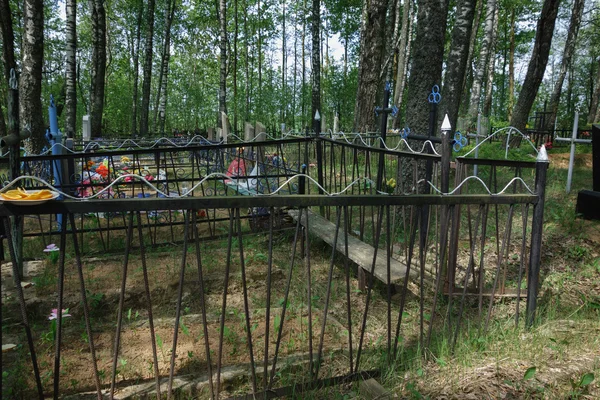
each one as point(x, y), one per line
point(588, 201)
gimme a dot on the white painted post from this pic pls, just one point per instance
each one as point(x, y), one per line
point(572, 157)
point(507, 144)
point(86, 128)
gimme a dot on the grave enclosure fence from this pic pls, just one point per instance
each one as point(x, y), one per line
point(273, 310)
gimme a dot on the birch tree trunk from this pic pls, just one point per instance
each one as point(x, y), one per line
point(71, 65)
point(235, 56)
point(136, 66)
point(164, 75)
point(426, 66)
point(536, 68)
point(98, 70)
point(511, 67)
point(146, 85)
point(566, 59)
point(490, 70)
point(371, 57)
point(457, 60)
point(316, 60)
point(482, 62)
point(30, 82)
point(223, 61)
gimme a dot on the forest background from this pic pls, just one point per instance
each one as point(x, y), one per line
point(147, 67)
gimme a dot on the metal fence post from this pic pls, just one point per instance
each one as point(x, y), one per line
point(533, 272)
point(572, 155)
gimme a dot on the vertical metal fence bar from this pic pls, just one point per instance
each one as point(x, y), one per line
point(268, 310)
point(224, 303)
point(245, 294)
point(522, 260)
point(308, 291)
point(61, 281)
point(86, 310)
point(121, 304)
point(348, 304)
point(328, 293)
point(179, 296)
point(148, 303)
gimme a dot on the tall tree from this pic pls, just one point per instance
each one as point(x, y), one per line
point(146, 85)
point(370, 77)
point(594, 112)
point(8, 55)
point(136, 67)
point(223, 64)
point(71, 68)
point(164, 68)
point(457, 60)
point(537, 66)
point(489, 69)
point(511, 67)
point(426, 66)
point(30, 82)
point(403, 54)
point(316, 59)
point(566, 59)
point(98, 70)
point(484, 54)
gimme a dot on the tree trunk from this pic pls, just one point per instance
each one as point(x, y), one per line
point(316, 60)
point(371, 57)
point(30, 82)
point(98, 70)
point(490, 69)
point(147, 70)
point(536, 68)
point(511, 67)
point(457, 60)
point(468, 80)
point(223, 61)
point(566, 60)
point(71, 65)
point(594, 114)
point(403, 55)
point(426, 66)
point(484, 54)
point(8, 58)
point(235, 56)
point(303, 88)
point(136, 65)
point(162, 104)
point(283, 66)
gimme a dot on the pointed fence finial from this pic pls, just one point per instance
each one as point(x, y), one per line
point(446, 124)
point(542, 155)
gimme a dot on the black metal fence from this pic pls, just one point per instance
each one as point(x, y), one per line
point(276, 312)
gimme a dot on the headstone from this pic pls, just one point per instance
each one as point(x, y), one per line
point(323, 124)
point(210, 133)
point(248, 132)
point(224, 127)
point(86, 128)
point(220, 135)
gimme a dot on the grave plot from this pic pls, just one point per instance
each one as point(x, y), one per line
point(378, 263)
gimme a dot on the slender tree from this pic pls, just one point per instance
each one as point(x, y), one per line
point(164, 69)
point(536, 68)
point(566, 59)
point(485, 53)
point(403, 54)
point(223, 63)
point(98, 70)
point(457, 60)
point(316, 59)
point(70, 70)
point(136, 66)
point(489, 69)
point(146, 85)
point(30, 82)
point(511, 66)
point(8, 56)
